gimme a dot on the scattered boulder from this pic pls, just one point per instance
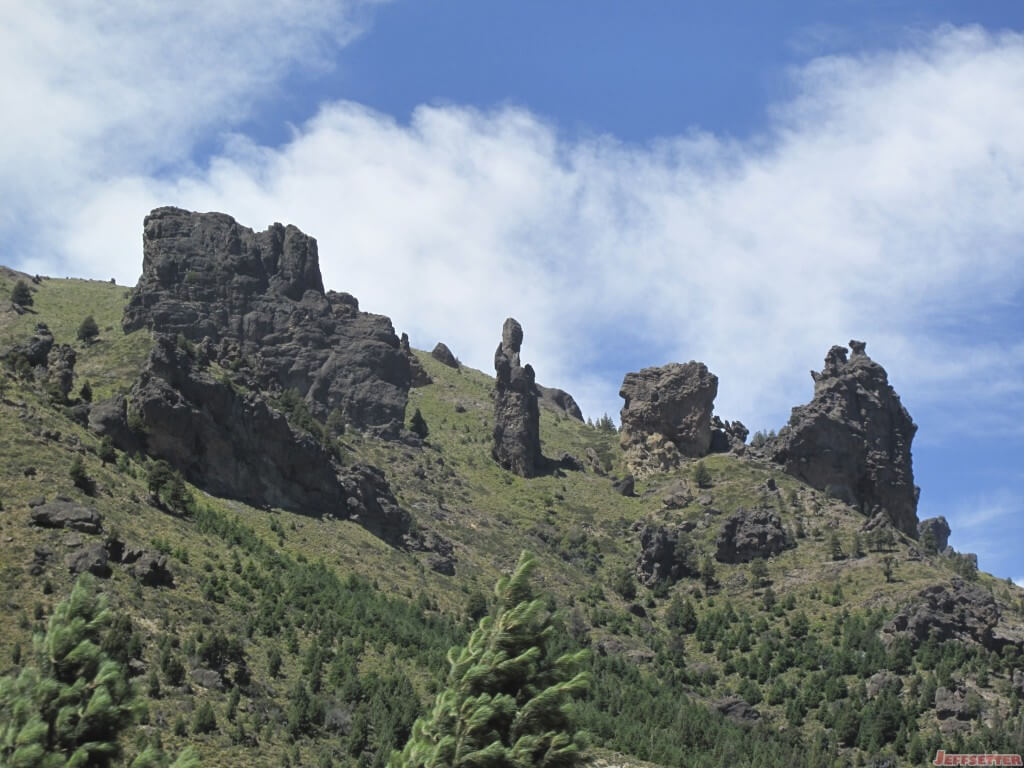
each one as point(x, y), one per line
point(443, 355)
point(65, 513)
point(666, 415)
point(666, 555)
point(883, 682)
point(151, 570)
point(256, 301)
point(677, 495)
point(625, 487)
point(935, 533)
point(746, 535)
point(569, 462)
point(61, 364)
point(207, 678)
point(951, 703)
point(560, 401)
point(91, 558)
point(737, 709)
point(41, 558)
point(957, 610)
point(854, 439)
point(35, 350)
point(516, 412)
point(594, 461)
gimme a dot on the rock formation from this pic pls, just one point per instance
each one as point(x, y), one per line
point(750, 534)
point(666, 554)
point(62, 512)
point(516, 412)
point(443, 355)
point(232, 443)
point(958, 610)
point(853, 439)
point(560, 401)
point(728, 436)
point(259, 302)
point(934, 531)
point(418, 377)
point(667, 415)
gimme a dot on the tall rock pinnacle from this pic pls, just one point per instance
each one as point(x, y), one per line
point(516, 412)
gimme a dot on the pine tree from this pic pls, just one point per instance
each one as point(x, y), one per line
point(506, 704)
point(68, 708)
point(418, 425)
point(88, 330)
point(701, 475)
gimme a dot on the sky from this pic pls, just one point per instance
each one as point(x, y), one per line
point(740, 183)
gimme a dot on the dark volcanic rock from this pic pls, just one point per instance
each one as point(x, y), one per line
point(151, 570)
point(749, 534)
point(442, 354)
point(559, 400)
point(667, 414)
point(259, 302)
point(64, 513)
point(35, 351)
point(737, 709)
point(61, 363)
point(91, 558)
point(951, 703)
point(854, 438)
point(666, 554)
point(727, 436)
point(418, 377)
point(958, 610)
point(626, 486)
point(516, 413)
point(935, 531)
point(234, 444)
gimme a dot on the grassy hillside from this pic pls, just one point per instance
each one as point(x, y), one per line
point(318, 644)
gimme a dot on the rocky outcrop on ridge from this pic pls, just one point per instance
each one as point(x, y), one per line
point(232, 443)
point(443, 355)
point(728, 436)
point(418, 377)
point(257, 302)
point(934, 531)
point(516, 412)
point(957, 610)
point(749, 534)
point(560, 401)
point(853, 439)
point(666, 415)
point(46, 361)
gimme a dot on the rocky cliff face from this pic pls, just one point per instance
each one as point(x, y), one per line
point(259, 302)
point(233, 444)
point(854, 439)
point(516, 412)
point(667, 415)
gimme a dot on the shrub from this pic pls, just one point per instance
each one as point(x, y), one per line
point(80, 477)
point(106, 451)
point(21, 294)
point(204, 721)
point(418, 425)
point(701, 475)
point(88, 330)
point(85, 393)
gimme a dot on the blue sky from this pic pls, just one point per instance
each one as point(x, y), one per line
point(741, 183)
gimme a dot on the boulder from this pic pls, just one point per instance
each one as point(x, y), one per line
point(728, 436)
point(749, 534)
point(666, 555)
point(951, 703)
point(35, 350)
point(958, 610)
point(91, 558)
point(935, 532)
point(150, 569)
point(853, 439)
point(673, 403)
point(737, 709)
point(207, 678)
point(625, 487)
point(256, 301)
point(61, 365)
point(883, 682)
point(560, 401)
point(65, 513)
point(516, 411)
point(443, 355)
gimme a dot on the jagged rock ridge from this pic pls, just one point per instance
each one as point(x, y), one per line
point(853, 439)
point(259, 302)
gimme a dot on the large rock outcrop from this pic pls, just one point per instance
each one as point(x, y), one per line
point(667, 415)
point(853, 439)
point(259, 302)
point(958, 611)
point(750, 534)
point(516, 412)
point(934, 532)
point(560, 401)
point(233, 443)
point(666, 555)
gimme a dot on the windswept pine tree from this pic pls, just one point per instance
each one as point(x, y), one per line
point(507, 700)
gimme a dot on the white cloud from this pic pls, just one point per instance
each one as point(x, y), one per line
point(884, 200)
point(93, 91)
